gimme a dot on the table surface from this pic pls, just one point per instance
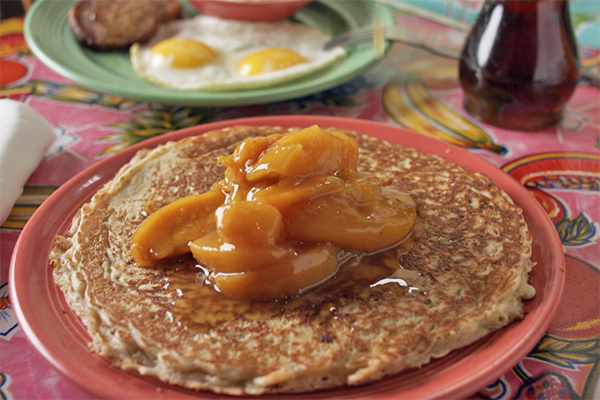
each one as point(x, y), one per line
point(92, 125)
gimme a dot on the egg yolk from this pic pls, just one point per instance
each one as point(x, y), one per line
point(185, 52)
point(269, 60)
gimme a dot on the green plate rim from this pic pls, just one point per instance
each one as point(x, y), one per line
point(82, 63)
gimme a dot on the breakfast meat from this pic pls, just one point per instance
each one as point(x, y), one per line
point(462, 274)
point(105, 25)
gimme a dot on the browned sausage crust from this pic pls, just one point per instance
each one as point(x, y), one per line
point(116, 24)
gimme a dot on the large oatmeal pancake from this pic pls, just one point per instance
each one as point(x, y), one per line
point(463, 274)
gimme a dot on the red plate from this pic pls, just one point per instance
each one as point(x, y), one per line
point(253, 10)
point(61, 338)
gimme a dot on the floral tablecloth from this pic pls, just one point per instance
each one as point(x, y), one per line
point(560, 166)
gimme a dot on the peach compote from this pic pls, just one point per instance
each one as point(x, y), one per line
point(289, 206)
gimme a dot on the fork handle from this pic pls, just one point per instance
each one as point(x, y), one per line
point(399, 37)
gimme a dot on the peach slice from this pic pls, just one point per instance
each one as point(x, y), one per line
point(245, 154)
point(246, 238)
point(217, 255)
point(304, 153)
point(338, 220)
point(289, 191)
point(250, 223)
point(168, 231)
point(362, 190)
point(297, 272)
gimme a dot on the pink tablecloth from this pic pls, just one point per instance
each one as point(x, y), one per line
point(560, 166)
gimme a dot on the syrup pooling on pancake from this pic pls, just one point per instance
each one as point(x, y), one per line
point(287, 208)
point(208, 53)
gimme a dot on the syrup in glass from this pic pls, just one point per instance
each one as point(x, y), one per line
point(520, 64)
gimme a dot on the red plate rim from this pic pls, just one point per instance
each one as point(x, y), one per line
point(271, 10)
point(62, 340)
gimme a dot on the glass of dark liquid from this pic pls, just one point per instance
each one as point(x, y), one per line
point(520, 63)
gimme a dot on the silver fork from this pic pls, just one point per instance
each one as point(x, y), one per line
point(388, 32)
point(398, 34)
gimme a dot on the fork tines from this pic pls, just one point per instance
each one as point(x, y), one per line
point(354, 36)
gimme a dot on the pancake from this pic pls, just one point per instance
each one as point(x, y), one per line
point(462, 275)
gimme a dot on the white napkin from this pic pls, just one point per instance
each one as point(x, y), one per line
point(25, 136)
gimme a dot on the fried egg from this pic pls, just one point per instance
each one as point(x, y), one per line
point(209, 53)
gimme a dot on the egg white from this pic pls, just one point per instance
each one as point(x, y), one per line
point(232, 40)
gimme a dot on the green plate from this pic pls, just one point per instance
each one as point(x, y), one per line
point(51, 40)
